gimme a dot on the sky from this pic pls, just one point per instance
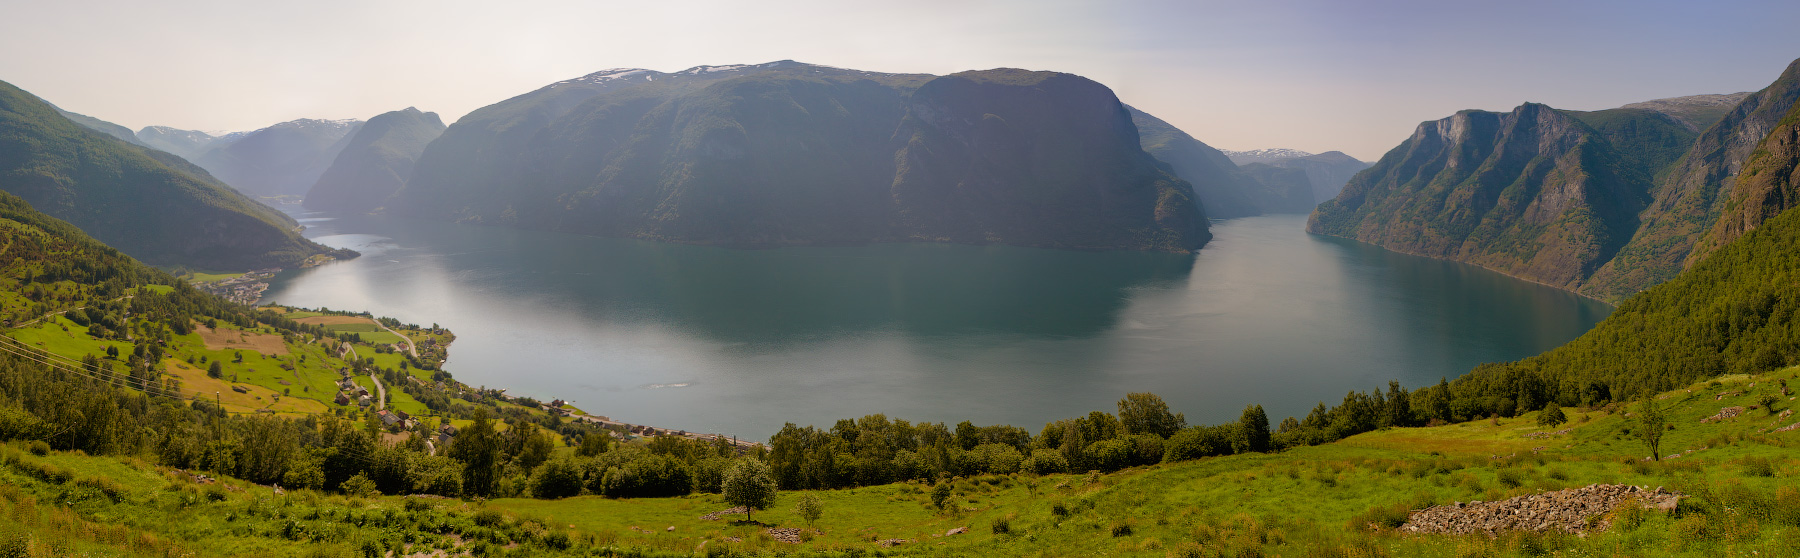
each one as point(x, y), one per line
point(1320, 75)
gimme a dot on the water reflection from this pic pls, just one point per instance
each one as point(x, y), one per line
point(740, 341)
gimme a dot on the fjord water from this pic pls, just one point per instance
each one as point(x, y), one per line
point(737, 341)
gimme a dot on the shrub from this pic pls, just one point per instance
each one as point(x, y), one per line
point(557, 478)
point(1198, 442)
point(1045, 462)
point(105, 486)
point(1187, 550)
point(940, 495)
point(557, 540)
point(809, 507)
point(1121, 529)
point(1552, 415)
point(488, 518)
point(359, 485)
point(1759, 467)
point(1111, 455)
point(38, 448)
point(1059, 510)
point(1510, 477)
point(1001, 526)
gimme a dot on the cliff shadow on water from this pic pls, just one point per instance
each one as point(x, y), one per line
point(759, 299)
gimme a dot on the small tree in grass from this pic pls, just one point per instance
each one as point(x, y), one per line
point(809, 507)
point(1651, 424)
point(748, 483)
point(215, 371)
point(1552, 415)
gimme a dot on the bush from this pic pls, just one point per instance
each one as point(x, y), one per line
point(38, 448)
point(1552, 415)
point(558, 478)
point(648, 476)
point(1121, 529)
point(1045, 462)
point(1111, 455)
point(1759, 467)
point(105, 486)
point(1198, 442)
point(1001, 526)
point(809, 507)
point(488, 518)
point(1187, 550)
point(940, 495)
point(359, 485)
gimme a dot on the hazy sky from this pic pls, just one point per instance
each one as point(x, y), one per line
point(1349, 75)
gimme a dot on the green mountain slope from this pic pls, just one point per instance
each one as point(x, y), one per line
point(153, 205)
point(787, 153)
point(122, 133)
point(1693, 193)
point(377, 161)
point(1764, 188)
point(1535, 193)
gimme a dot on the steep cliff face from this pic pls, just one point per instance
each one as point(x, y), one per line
point(376, 162)
point(787, 154)
point(1038, 159)
point(1765, 187)
point(1641, 195)
point(1693, 192)
point(1534, 193)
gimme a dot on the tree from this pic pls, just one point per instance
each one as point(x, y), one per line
point(1651, 425)
point(559, 478)
point(594, 443)
point(478, 447)
point(1145, 413)
point(809, 507)
point(748, 483)
point(1552, 415)
point(1253, 431)
point(214, 371)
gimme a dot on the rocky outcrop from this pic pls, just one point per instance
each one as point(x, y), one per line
point(1573, 510)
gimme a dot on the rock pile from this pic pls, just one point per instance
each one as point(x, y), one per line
point(715, 516)
point(790, 535)
point(1725, 413)
point(1570, 511)
point(1562, 432)
point(889, 543)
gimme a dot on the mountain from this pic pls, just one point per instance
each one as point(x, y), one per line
point(150, 204)
point(1604, 203)
point(1224, 189)
point(281, 160)
point(1698, 112)
point(786, 153)
point(189, 144)
point(1691, 196)
point(1536, 193)
point(1264, 155)
point(1280, 189)
point(98, 125)
point(1327, 172)
point(1765, 187)
point(376, 162)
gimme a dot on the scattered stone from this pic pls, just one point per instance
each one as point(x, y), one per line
point(790, 535)
point(1570, 511)
point(1562, 432)
point(671, 529)
point(889, 543)
point(1727, 394)
point(1794, 426)
point(715, 516)
point(1725, 413)
point(956, 531)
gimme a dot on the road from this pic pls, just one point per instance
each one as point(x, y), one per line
point(410, 347)
point(380, 390)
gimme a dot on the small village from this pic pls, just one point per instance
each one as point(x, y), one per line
point(243, 289)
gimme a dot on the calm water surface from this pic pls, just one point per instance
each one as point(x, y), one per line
point(740, 341)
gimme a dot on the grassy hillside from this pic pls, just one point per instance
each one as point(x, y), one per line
point(147, 203)
point(1738, 477)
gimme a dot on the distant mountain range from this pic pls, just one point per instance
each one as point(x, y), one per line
point(281, 160)
point(153, 205)
point(786, 153)
point(1264, 155)
point(376, 161)
point(1223, 188)
point(1605, 203)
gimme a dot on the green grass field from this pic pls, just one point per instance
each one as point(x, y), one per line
point(1329, 500)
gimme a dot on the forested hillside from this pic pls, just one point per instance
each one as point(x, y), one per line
point(148, 203)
